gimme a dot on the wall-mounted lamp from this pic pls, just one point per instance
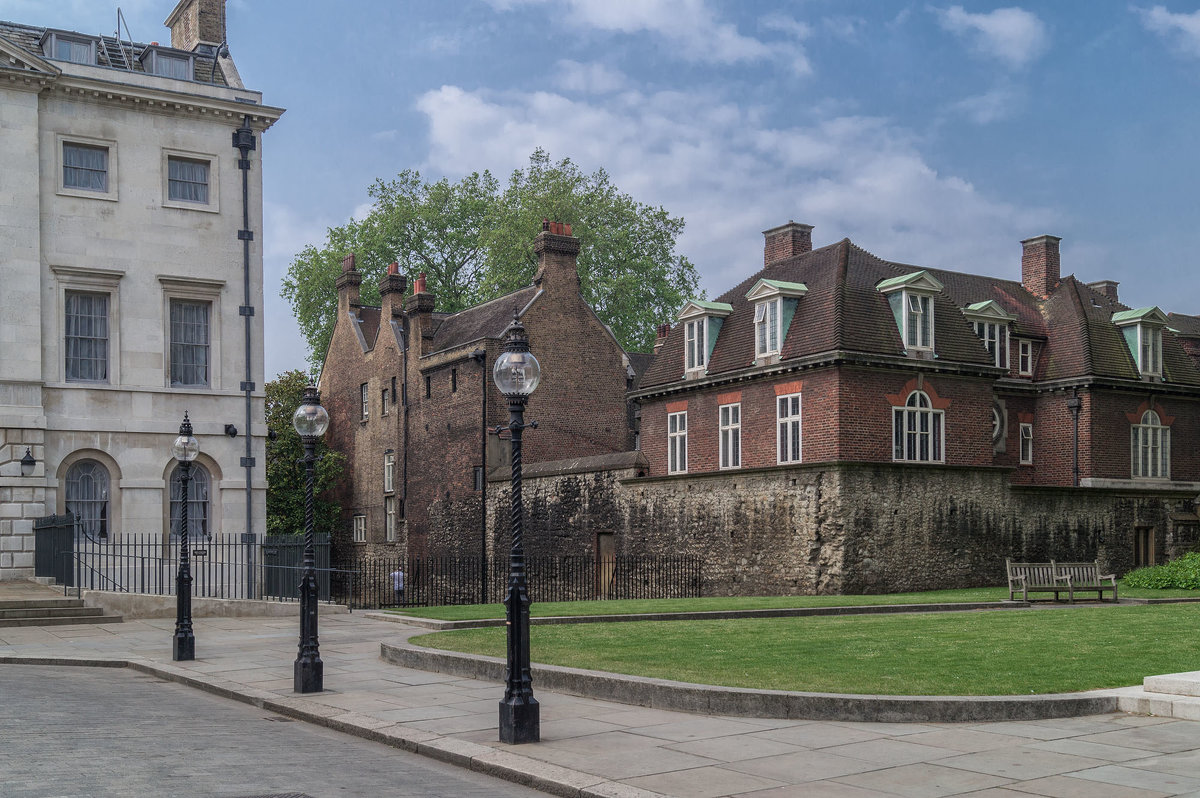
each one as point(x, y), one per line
point(231, 430)
point(28, 463)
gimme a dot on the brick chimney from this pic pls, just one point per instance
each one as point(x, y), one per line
point(663, 331)
point(347, 284)
point(391, 292)
point(1040, 266)
point(785, 241)
point(557, 251)
point(419, 310)
point(196, 22)
point(1106, 287)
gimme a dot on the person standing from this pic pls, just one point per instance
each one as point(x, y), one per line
point(398, 585)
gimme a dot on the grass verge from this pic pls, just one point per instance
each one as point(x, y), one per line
point(716, 603)
point(976, 653)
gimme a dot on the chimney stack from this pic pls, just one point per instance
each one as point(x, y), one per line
point(1106, 287)
point(347, 284)
point(419, 310)
point(1040, 265)
point(391, 291)
point(785, 241)
point(663, 331)
point(557, 252)
point(197, 22)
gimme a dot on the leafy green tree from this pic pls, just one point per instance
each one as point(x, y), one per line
point(285, 471)
point(474, 242)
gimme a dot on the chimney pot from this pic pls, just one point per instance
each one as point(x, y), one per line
point(545, 223)
point(566, 229)
point(1040, 265)
point(785, 241)
point(348, 263)
point(393, 268)
point(419, 284)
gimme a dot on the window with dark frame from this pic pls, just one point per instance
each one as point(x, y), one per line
point(393, 390)
point(187, 180)
point(86, 336)
point(453, 380)
point(478, 474)
point(85, 166)
point(189, 343)
point(428, 386)
point(383, 402)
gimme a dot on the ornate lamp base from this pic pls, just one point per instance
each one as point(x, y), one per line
point(520, 720)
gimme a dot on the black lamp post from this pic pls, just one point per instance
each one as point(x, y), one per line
point(310, 421)
point(517, 374)
point(186, 449)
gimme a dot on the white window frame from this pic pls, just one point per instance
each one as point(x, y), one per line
point(789, 435)
point(152, 55)
point(389, 516)
point(90, 281)
point(916, 335)
point(50, 46)
point(358, 526)
point(766, 327)
point(213, 204)
point(194, 289)
point(1025, 358)
point(729, 424)
point(918, 428)
point(1025, 435)
point(1150, 450)
point(677, 442)
point(994, 335)
point(695, 345)
point(364, 401)
point(110, 192)
point(389, 472)
point(1149, 348)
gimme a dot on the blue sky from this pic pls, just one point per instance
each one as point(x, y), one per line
point(939, 134)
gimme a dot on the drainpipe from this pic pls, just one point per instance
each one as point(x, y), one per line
point(244, 141)
point(1074, 404)
point(480, 357)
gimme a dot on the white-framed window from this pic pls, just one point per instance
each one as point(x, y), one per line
point(766, 328)
point(383, 402)
point(677, 443)
point(190, 181)
point(695, 344)
point(359, 526)
point(1150, 346)
point(88, 500)
point(389, 516)
point(389, 472)
point(787, 420)
point(168, 65)
point(364, 400)
point(65, 47)
point(1026, 434)
point(1142, 330)
point(995, 337)
point(1151, 449)
point(1025, 358)
point(85, 336)
point(87, 167)
point(198, 498)
point(189, 343)
point(918, 431)
point(918, 321)
point(729, 419)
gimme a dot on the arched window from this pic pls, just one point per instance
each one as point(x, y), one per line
point(198, 489)
point(1151, 450)
point(87, 499)
point(917, 433)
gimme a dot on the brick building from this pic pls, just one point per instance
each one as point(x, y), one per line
point(410, 395)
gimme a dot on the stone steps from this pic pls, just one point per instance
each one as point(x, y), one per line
point(50, 609)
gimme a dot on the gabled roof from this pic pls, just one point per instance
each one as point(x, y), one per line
point(921, 281)
point(1184, 325)
point(488, 320)
point(768, 288)
point(989, 309)
point(696, 307)
point(1151, 315)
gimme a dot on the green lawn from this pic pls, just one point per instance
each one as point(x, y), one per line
point(477, 611)
point(972, 653)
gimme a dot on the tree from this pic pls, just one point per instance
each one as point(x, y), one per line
point(285, 471)
point(474, 242)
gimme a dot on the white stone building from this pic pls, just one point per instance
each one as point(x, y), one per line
point(130, 281)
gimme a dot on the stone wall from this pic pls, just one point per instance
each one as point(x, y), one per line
point(835, 528)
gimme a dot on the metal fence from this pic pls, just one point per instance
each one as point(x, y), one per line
point(438, 581)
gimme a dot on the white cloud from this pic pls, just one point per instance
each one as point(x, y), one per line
point(730, 175)
point(1181, 30)
point(588, 78)
point(690, 26)
point(982, 109)
point(1014, 36)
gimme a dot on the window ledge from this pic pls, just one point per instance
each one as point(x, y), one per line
point(190, 206)
point(84, 193)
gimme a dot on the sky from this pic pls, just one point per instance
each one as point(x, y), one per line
point(936, 134)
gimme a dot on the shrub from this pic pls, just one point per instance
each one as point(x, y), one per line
point(1183, 572)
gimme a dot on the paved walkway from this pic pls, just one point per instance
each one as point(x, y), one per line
point(598, 748)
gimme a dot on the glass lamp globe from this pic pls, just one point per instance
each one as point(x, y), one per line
point(185, 448)
point(517, 373)
point(310, 419)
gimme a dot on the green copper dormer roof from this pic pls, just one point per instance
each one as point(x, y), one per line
point(988, 309)
point(1144, 315)
point(768, 288)
point(696, 307)
point(921, 281)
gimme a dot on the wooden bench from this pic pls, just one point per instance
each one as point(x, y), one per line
point(1059, 577)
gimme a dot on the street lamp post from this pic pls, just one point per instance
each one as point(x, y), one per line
point(310, 421)
point(517, 373)
point(186, 449)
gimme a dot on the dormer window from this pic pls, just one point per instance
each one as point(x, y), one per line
point(775, 303)
point(69, 47)
point(701, 324)
point(1142, 329)
point(911, 299)
point(166, 63)
point(990, 322)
